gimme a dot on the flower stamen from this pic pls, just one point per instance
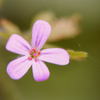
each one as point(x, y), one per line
point(35, 60)
point(30, 52)
point(39, 53)
point(33, 49)
point(30, 58)
point(33, 54)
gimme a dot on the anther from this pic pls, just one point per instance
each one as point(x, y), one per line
point(33, 49)
point(30, 58)
point(35, 60)
point(39, 53)
point(30, 52)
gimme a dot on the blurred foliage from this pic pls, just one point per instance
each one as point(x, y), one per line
point(77, 80)
point(77, 55)
point(10, 28)
point(1, 1)
point(4, 35)
point(62, 28)
point(8, 90)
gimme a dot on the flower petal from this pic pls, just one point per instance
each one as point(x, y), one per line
point(18, 67)
point(40, 71)
point(55, 55)
point(18, 45)
point(40, 33)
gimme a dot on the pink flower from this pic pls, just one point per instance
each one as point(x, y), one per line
point(32, 54)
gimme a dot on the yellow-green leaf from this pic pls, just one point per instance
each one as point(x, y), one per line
point(77, 55)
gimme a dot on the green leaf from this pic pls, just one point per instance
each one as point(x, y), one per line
point(77, 55)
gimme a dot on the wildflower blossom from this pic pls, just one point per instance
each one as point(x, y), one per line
point(32, 54)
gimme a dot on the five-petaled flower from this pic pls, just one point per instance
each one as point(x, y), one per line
point(32, 54)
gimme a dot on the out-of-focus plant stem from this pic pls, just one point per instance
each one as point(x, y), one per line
point(8, 91)
point(4, 35)
point(1, 1)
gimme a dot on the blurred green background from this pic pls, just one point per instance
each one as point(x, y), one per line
point(79, 80)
